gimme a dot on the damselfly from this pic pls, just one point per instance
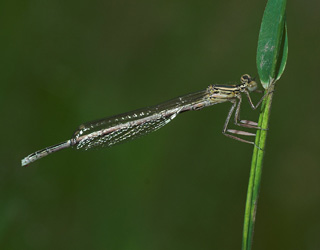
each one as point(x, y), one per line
point(124, 127)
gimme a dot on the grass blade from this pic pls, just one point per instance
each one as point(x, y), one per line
point(272, 56)
point(273, 43)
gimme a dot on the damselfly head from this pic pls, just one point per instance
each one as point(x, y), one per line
point(250, 82)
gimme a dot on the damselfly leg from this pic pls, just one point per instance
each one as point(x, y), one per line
point(236, 106)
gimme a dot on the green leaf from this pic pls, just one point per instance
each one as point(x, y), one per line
point(272, 49)
point(272, 56)
point(283, 53)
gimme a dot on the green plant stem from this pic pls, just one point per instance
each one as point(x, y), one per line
point(256, 171)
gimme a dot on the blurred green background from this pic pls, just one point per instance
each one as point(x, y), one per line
point(183, 187)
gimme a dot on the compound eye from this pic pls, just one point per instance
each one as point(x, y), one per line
point(245, 78)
